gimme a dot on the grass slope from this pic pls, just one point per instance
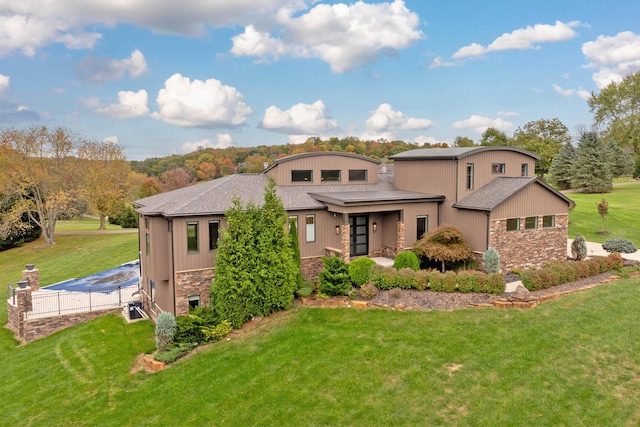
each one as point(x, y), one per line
point(623, 219)
point(574, 361)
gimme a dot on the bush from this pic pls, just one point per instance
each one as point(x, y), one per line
point(494, 284)
point(579, 248)
point(334, 279)
point(491, 260)
point(422, 280)
point(359, 270)
point(620, 245)
point(304, 291)
point(381, 277)
point(450, 281)
point(559, 272)
point(405, 278)
point(173, 353)
point(165, 329)
point(406, 259)
point(216, 333)
point(368, 291)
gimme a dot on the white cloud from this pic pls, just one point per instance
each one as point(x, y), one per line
point(300, 119)
point(508, 114)
point(482, 123)
point(130, 104)
point(345, 36)
point(224, 141)
point(385, 119)
point(438, 63)
point(298, 139)
point(200, 103)
point(524, 38)
point(105, 69)
point(4, 82)
point(584, 94)
point(613, 56)
point(112, 139)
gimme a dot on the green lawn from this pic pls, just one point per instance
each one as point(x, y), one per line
point(623, 219)
point(83, 224)
point(574, 361)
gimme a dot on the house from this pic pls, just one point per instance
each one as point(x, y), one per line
point(346, 204)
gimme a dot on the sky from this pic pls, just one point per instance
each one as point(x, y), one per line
point(166, 77)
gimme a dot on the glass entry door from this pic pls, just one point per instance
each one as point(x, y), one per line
point(359, 226)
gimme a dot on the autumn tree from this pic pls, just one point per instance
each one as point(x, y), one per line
point(175, 178)
point(104, 178)
point(445, 244)
point(617, 110)
point(463, 141)
point(494, 137)
point(41, 168)
point(543, 137)
point(603, 210)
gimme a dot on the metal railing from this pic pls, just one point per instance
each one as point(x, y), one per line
point(11, 294)
point(52, 303)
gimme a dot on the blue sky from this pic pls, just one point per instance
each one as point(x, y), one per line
point(165, 77)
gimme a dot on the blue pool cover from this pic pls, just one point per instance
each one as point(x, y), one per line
point(106, 281)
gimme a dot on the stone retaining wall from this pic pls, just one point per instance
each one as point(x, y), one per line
point(45, 326)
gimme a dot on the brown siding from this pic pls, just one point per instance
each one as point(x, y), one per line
point(473, 225)
point(533, 200)
point(426, 176)
point(325, 232)
point(185, 260)
point(483, 174)
point(158, 264)
point(282, 172)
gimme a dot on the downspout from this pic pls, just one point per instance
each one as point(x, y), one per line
point(488, 228)
point(173, 268)
point(456, 160)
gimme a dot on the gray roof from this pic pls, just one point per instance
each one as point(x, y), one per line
point(454, 153)
point(216, 196)
point(499, 191)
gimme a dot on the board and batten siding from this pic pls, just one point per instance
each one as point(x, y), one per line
point(203, 258)
point(474, 226)
point(282, 171)
point(483, 171)
point(158, 265)
point(436, 177)
point(535, 200)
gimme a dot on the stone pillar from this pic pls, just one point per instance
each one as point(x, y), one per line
point(400, 236)
point(345, 242)
point(33, 276)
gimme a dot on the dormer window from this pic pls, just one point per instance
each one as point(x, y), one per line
point(301, 176)
point(498, 168)
point(330, 175)
point(357, 175)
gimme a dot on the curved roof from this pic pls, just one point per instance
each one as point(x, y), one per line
point(455, 153)
point(319, 153)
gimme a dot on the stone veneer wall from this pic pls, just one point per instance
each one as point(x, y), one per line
point(44, 326)
point(33, 276)
point(529, 248)
point(192, 282)
point(311, 267)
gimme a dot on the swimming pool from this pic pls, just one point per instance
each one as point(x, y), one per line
point(126, 275)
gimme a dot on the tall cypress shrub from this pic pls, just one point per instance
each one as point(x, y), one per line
point(295, 247)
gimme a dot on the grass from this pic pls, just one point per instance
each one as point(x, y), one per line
point(83, 224)
point(623, 219)
point(574, 361)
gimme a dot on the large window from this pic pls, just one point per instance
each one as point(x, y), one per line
point(525, 169)
point(548, 221)
point(301, 176)
point(530, 222)
point(330, 175)
point(311, 228)
point(469, 176)
point(357, 175)
point(192, 236)
point(513, 224)
point(498, 168)
point(214, 230)
point(422, 225)
point(147, 244)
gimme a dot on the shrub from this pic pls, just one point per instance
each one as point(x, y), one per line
point(173, 353)
point(491, 260)
point(405, 278)
point(381, 277)
point(579, 248)
point(421, 280)
point(495, 284)
point(395, 293)
point(368, 291)
point(446, 244)
point(165, 329)
point(620, 245)
point(359, 270)
point(304, 291)
point(334, 279)
point(466, 280)
point(450, 281)
point(436, 282)
point(216, 333)
point(617, 260)
point(407, 259)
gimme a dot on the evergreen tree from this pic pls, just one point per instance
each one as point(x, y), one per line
point(295, 247)
point(621, 163)
point(591, 171)
point(561, 167)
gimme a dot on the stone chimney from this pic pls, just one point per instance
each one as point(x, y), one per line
point(33, 276)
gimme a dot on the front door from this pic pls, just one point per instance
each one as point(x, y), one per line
point(359, 226)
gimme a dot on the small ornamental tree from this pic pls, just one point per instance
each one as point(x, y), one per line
point(491, 260)
point(334, 279)
point(165, 329)
point(579, 248)
point(620, 245)
point(445, 244)
point(603, 210)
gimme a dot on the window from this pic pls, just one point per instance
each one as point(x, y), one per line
point(530, 222)
point(293, 219)
point(152, 286)
point(148, 244)
point(311, 228)
point(301, 176)
point(214, 230)
point(525, 169)
point(548, 221)
point(330, 175)
point(421, 226)
point(513, 224)
point(192, 236)
point(498, 168)
point(469, 176)
point(194, 301)
point(357, 175)
point(146, 223)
